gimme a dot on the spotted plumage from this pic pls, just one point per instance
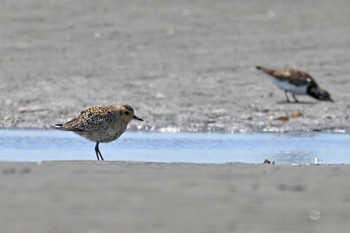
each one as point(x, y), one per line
point(296, 82)
point(100, 123)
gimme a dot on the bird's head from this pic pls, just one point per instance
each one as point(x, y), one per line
point(325, 96)
point(320, 94)
point(127, 114)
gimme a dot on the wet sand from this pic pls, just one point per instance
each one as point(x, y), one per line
point(186, 65)
point(88, 196)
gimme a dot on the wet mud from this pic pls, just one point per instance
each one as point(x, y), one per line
point(184, 66)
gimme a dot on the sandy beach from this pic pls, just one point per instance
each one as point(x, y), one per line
point(93, 197)
point(188, 66)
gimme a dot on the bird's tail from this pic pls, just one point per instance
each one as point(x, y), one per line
point(59, 127)
point(265, 70)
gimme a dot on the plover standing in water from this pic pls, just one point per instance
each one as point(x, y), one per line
point(296, 82)
point(100, 123)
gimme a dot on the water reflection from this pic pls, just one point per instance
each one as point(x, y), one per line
point(297, 147)
point(294, 156)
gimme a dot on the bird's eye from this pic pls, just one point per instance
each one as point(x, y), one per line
point(127, 113)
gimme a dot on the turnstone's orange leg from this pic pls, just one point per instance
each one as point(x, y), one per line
point(98, 152)
point(286, 92)
point(295, 98)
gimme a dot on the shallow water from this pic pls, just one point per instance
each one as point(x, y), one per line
point(288, 148)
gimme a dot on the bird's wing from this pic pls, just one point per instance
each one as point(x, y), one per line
point(90, 119)
point(296, 77)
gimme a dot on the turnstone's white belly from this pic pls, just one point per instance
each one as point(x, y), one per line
point(285, 85)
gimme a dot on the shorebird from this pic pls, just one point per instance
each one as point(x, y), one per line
point(296, 82)
point(100, 124)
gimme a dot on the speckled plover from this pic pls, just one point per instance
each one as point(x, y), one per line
point(100, 124)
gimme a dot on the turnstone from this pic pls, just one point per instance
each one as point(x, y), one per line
point(100, 123)
point(296, 82)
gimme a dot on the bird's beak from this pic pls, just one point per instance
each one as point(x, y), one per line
point(137, 118)
point(331, 100)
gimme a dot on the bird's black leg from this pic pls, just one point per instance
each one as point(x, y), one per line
point(98, 152)
point(295, 98)
point(285, 92)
